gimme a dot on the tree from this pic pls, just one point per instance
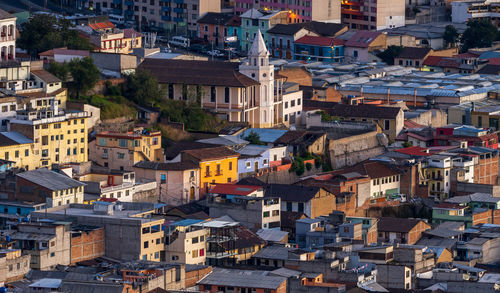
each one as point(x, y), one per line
point(143, 88)
point(479, 34)
point(44, 32)
point(450, 35)
point(253, 138)
point(60, 70)
point(85, 75)
point(390, 53)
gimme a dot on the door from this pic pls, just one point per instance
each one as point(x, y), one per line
point(256, 166)
point(191, 193)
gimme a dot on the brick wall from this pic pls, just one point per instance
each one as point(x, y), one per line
point(194, 276)
point(88, 245)
point(416, 232)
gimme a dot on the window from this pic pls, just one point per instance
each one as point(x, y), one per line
point(226, 95)
point(230, 165)
point(122, 142)
point(387, 125)
point(248, 165)
point(194, 253)
point(202, 251)
point(288, 206)
point(301, 207)
point(194, 240)
point(146, 244)
point(171, 91)
point(265, 214)
point(213, 94)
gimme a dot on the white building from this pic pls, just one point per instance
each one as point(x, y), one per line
point(292, 104)
point(7, 36)
point(464, 10)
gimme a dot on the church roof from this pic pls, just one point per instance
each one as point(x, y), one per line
point(258, 46)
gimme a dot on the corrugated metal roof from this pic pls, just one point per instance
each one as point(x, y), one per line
point(50, 179)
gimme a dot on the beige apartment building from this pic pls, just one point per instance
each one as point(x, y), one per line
point(47, 244)
point(131, 230)
point(178, 17)
point(13, 265)
point(373, 15)
point(120, 151)
point(186, 243)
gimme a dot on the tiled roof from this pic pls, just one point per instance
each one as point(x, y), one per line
point(240, 278)
point(286, 29)
point(233, 189)
point(401, 225)
point(216, 18)
point(362, 39)
point(5, 15)
point(216, 73)
point(129, 33)
point(432, 60)
point(446, 205)
point(45, 76)
point(489, 69)
point(13, 138)
point(373, 169)
point(449, 62)
point(325, 29)
point(288, 219)
point(234, 21)
point(414, 151)
point(319, 41)
point(414, 52)
point(212, 153)
point(178, 166)
point(101, 25)
point(411, 124)
point(293, 193)
point(173, 151)
point(363, 111)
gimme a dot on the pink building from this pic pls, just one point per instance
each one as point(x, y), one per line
point(299, 10)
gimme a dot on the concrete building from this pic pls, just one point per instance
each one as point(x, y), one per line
point(246, 205)
point(392, 276)
point(131, 231)
point(14, 265)
point(87, 242)
point(241, 280)
point(177, 183)
point(186, 242)
point(7, 36)
point(400, 230)
point(466, 10)
point(255, 22)
point(369, 15)
point(299, 12)
point(49, 244)
point(49, 187)
point(121, 151)
point(178, 18)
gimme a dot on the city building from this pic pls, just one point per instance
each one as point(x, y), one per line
point(87, 242)
point(413, 56)
point(316, 48)
point(177, 183)
point(359, 47)
point(49, 187)
point(400, 230)
point(466, 10)
point(7, 36)
point(48, 244)
point(131, 231)
point(245, 204)
point(109, 39)
point(218, 28)
point(177, 18)
point(18, 149)
point(369, 15)
point(186, 242)
point(254, 22)
point(14, 265)
point(438, 173)
point(121, 151)
point(299, 11)
point(217, 165)
point(225, 279)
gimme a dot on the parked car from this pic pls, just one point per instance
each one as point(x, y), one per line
point(197, 48)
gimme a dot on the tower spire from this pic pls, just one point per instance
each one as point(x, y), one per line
point(258, 46)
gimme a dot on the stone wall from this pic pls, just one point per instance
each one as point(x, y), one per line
point(351, 150)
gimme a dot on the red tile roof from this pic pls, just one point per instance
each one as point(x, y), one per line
point(319, 41)
point(414, 151)
point(234, 189)
point(130, 32)
point(466, 55)
point(412, 124)
point(101, 25)
point(494, 61)
point(432, 60)
point(449, 62)
point(362, 39)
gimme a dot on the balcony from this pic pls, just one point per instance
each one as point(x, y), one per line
point(118, 11)
point(179, 1)
point(118, 2)
point(178, 10)
point(165, 8)
point(129, 3)
point(105, 155)
point(178, 19)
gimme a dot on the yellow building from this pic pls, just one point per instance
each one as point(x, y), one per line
point(217, 165)
point(19, 149)
point(58, 137)
point(121, 151)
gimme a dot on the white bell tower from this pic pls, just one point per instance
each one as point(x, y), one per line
point(258, 68)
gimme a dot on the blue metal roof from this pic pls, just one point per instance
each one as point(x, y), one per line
point(265, 134)
point(186, 222)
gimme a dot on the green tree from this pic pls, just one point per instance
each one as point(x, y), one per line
point(143, 88)
point(60, 70)
point(479, 34)
point(253, 138)
point(85, 75)
point(44, 32)
point(450, 35)
point(390, 53)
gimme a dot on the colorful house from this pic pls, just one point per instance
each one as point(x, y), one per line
point(214, 27)
point(316, 48)
point(217, 165)
point(254, 20)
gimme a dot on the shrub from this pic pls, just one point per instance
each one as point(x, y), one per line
point(309, 166)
